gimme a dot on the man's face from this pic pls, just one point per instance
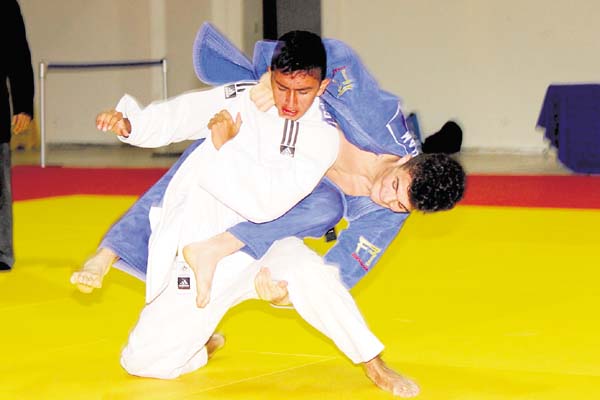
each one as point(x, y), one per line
point(390, 189)
point(295, 92)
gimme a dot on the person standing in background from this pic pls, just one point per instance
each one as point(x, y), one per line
point(16, 70)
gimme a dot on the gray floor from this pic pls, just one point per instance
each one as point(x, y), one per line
point(475, 162)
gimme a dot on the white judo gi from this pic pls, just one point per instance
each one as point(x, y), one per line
point(266, 169)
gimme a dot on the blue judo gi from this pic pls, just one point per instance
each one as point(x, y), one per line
point(370, 118)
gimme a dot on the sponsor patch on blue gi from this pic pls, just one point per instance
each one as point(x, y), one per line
point(365, 252)
point(346, 83)
point(330, 236)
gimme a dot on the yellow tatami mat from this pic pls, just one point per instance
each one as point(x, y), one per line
point(476, 303)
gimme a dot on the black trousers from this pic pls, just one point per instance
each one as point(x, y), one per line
point(6, 213)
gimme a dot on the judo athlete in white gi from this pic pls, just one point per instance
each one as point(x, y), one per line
point(283, 171)
point(314, 288)
point(169, 337)
point(252, 177)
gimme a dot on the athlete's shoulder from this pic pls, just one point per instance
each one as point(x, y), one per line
point(235, 89)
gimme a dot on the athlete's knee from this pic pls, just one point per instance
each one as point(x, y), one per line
point(139, 364)
point(132, 364)
point(284, 250)
point(302, 264)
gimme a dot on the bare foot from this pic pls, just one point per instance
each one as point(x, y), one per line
point(90, 276)
point(389, 380)
point(216, 342)
point(201, 259)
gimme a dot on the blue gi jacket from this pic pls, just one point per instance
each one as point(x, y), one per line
point(349, 99)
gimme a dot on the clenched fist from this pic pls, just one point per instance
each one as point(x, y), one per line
point(223, 128)
point(114, 122)
point(273, 291)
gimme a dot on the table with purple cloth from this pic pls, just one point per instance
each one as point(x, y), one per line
point(571, 116)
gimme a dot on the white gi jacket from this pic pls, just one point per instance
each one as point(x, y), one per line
point(269, 166)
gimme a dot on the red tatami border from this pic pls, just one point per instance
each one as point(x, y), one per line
point(564, 191)
point(35, 182)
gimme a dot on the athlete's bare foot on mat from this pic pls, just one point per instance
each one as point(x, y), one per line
point(216, 342)
point(90, 276)
point(389, 380)
point(201, 259)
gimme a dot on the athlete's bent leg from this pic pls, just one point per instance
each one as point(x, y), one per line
point(170, 336)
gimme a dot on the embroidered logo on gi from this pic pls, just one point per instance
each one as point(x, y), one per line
point(289, 138)
point(331, 235)
point(410, 140)
point(398, 128)
point(232, 90)
point(347, 84)
point(183, 283)
point(365, 250)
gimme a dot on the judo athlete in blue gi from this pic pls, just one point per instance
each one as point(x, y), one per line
point(375, 205)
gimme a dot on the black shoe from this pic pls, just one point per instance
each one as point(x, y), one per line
point(447, 140)
point(4, 267)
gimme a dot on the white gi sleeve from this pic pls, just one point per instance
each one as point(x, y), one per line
point(184, 117)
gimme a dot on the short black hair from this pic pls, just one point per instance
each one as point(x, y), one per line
point(299, 51)
point(438, 182)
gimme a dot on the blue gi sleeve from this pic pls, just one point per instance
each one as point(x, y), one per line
point(312, 217)
point(360, 246)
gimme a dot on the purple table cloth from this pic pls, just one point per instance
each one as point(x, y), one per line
point(571, 116)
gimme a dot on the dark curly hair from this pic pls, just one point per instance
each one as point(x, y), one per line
point(438, 182)
point(300, 51)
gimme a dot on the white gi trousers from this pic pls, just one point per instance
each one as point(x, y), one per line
point(170, 335)
point(272, 160)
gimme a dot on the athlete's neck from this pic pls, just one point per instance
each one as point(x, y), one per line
point(356, 170)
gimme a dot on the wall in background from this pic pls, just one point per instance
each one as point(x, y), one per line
point(486, 64)
point(108, 30)
point(86, 31)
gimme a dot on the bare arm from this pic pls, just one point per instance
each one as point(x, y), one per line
point(223, 128)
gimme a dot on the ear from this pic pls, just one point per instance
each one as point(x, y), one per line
point(323, 86)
